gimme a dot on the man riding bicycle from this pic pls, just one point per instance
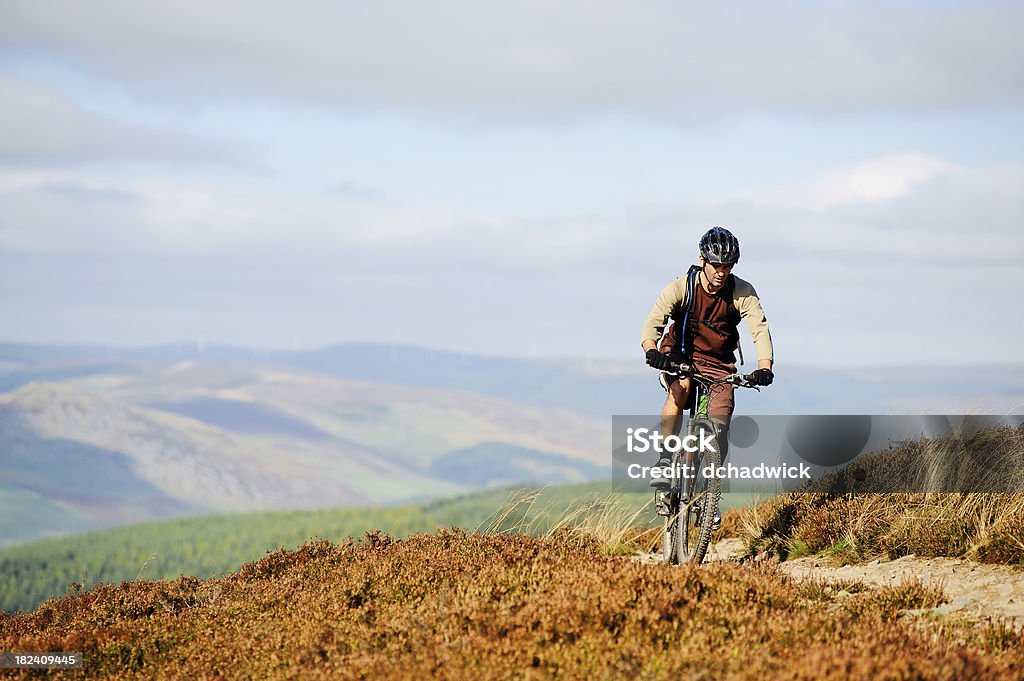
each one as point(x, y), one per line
point(705, 307)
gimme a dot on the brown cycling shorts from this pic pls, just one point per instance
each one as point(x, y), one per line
point(722, 396)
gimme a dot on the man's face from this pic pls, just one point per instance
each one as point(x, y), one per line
point(716, 273)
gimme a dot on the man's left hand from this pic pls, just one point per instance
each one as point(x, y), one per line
point(762, 377)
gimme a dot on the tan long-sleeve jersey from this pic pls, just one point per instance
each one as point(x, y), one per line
point(672, 302)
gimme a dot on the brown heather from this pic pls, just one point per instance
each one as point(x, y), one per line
point(455, 605)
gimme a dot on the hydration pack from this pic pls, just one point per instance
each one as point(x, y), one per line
point(674, 342)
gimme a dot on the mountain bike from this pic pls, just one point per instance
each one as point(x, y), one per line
point(689, 504)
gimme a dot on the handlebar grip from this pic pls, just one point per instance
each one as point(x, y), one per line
point(681, 368)
point(747, 381)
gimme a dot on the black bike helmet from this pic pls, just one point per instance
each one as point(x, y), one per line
point(719, 246)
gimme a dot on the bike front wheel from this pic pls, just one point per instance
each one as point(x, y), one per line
point(691, 523)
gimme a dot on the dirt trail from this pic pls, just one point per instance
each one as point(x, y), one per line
point(976, 590)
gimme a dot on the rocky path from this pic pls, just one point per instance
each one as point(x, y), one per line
point(976, 590)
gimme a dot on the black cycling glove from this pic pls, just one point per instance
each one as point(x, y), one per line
point(658, 359)
point(762, 377)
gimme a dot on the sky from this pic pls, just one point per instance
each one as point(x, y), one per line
point(512, 178)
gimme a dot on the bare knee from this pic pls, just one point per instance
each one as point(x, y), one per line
point(677, 394)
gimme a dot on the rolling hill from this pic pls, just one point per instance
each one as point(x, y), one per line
point(579, 384)
point(103, 449)
point(94, 436)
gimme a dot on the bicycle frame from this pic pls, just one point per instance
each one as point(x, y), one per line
point(690, 502)
point(698, 416)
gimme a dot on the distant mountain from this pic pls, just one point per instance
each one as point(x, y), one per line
point(159, 441)
point(113, 463)
point(549, 383)
point(597, 387)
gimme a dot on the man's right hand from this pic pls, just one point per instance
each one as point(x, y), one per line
point(657, 359)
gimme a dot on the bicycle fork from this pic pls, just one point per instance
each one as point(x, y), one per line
point(669, 502)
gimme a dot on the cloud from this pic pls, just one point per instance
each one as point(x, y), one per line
point(871, 276)
point(875, 181)
point(52, 212)
point(58, 212)
point(539, 60)
point(903, 207)
point(43, 127)
point(908, 207)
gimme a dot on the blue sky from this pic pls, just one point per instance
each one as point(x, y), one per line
point(514, 178)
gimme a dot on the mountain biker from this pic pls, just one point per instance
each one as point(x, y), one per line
point(704, 332)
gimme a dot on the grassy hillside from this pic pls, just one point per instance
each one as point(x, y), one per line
point(565, 604)
point(854, 527)
point(983, 520)
point(216, 545)
point(453, 605)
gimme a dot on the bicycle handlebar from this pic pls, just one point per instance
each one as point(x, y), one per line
point(683, 370)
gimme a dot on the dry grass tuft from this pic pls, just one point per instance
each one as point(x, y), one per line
point(611, 523)
point(843, 521)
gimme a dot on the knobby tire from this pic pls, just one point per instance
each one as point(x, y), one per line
point(684, 540)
